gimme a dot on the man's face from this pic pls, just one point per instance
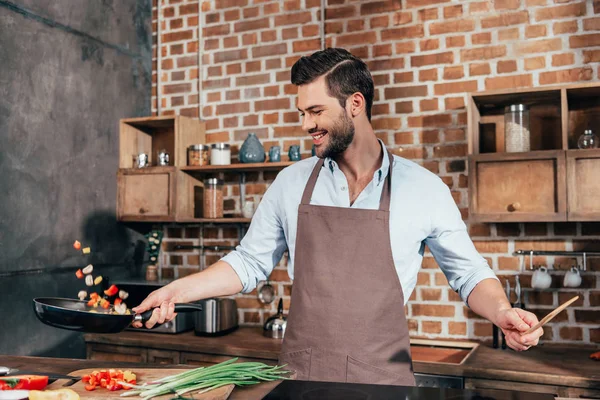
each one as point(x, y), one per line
point(324, 119)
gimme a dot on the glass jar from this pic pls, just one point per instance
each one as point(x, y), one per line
point(516, 128)
point(587, 140)
point(198, 154)
point(213, 198)
point(220, 154)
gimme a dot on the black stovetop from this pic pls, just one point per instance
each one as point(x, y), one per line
point(305, 390)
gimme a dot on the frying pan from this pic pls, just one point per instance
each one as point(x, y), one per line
point(75, 315)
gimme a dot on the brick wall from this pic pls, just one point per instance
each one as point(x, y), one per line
point(424, 56)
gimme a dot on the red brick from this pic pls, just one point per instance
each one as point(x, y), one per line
point(230, 55)
point(268, 36)
point(405, 91)
point(452, 150)
point(386, 64)
point(431, 327)
point(403, 138)
point(568, 75)
point(491, 246)
point(410, 152)
point(558, 12)
point(252, 80)
point(272, 8)
point(293, 19)
point(591, 24)
point(305, 46)
point(177, 36)
point(275, 104)
point(188, 9)
point(355, 39)
point(508, 34)
point(403, 33)
point(432, 59)
point(590, 56)
point(230, 3)
point(453, 103)
point(457, 328)
point(559, 60)
point(269, 50)
point(453, 11)
point(381, 21)
point(253, 25)
point(233, 108)
point(428, 14)
point(379, 7)
point(483, 53)
point(508, 82)
point(535, 63)
point(481, 38)
point(455, 87)
point(430, 121)
point(254, 66)
point(429, 44)
point(404, 107)
point(339, 12)
point(428, 105)
point(532, 3)
point(507, 4)
point(384, 50)
point(507, 66)
point(405, 47)
point(455, 72)
point(355, 25)
point(428, 75)
point(386, 123)
point(506, 19)
point(461, 25)
point(310, 30)
point(584, 40)
point(230, 42)
point(274, 63)
point(423, 3)
point(508, 263)
point(538, 46)
point(168, 12)
point(177, 88)
point(587, 316)
point(176, 23)
point(402, 18)
point(482, 6)
point(270, 119)
point(534, 31)
point(430, 310)
point(455, 41)
point(288, 131)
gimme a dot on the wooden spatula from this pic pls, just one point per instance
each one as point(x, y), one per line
point(551, 315)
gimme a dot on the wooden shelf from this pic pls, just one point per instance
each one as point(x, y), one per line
point(235, 220)
point(211, 169)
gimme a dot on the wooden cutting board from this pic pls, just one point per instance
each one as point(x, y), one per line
point(142, 375)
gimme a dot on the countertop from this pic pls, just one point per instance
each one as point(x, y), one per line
point(544, 364)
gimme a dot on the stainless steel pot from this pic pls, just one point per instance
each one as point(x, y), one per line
point(219, 317)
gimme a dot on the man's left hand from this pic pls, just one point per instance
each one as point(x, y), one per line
point(513, 321)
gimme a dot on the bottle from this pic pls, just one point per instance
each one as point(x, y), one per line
point(587, 140)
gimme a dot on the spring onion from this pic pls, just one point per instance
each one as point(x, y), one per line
point(204, 379)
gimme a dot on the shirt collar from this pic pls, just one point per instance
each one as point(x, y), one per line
point(381, 172)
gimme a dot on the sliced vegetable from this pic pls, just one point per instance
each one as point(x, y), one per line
point(97, 280)
point(105, 304)
point(86, 250)
point(25, 382)
point(77, 245)
point(112, 290)
point(94, 295)
point(117, 301)
point(82, 294)
point(79, 274)
point(60, 394)
point(121, 308)
point(89, 280)
point(123, 294)
point(111, 380)
point(88, 270)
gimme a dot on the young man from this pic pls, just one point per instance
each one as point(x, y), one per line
point(355, 220)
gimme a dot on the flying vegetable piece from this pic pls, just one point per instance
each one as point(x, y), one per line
point(77, 245)
point(89, 280)
point(123, 294)
point(79, 274)
point(121, 308)
point(97, 280)
point(104, 304)
point(88, 270)
point(86, 250)
point(112, 290)
point(82, 294)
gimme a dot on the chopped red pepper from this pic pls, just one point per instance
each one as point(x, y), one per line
point(24, 382)
point(77, 245)
point(112, 290)
point(79, 273)
point(94, 295)
point(118, 301)
point(89, 388)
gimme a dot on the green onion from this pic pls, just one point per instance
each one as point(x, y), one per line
point(204, 379)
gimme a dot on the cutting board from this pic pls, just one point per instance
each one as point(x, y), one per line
point(142, 375)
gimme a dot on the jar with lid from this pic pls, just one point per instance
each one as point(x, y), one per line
point(213, 198)
point(587, 140)
point(516, 128)
point(198, 154)
point(220, 154)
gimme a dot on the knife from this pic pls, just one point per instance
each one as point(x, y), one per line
point(508, 296)
point(8, 372)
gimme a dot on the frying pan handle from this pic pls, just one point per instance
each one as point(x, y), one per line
point(180, 307)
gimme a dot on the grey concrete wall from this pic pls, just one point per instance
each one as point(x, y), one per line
point(69, 70)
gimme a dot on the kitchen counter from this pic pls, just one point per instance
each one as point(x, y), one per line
point(546, 364)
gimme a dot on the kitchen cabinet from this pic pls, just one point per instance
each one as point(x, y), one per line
point(557, 391)
point(555, 181)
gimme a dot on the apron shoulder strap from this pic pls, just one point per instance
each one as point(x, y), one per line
point(386, 193)
point(312, 181)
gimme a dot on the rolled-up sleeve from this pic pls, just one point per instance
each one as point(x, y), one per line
point(263, 245)
point(452, 248)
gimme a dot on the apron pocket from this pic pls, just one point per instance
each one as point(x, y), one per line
point(327, 366)
point(298, 361)
point(360, 372)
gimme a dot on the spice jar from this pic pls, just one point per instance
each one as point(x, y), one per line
point(220, 154)
point(587, 140)
point(198, 154)
point(516, 128)
point(213, 198)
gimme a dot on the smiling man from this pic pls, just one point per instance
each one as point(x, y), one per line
point(355, 220)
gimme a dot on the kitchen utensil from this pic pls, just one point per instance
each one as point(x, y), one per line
point(75, 315)
point(518, 292)
point(507, 288)
point(551, 315)
point(6, 371)
point(541, 279)
point(275, 326)
point(143, 375)
point(219, 316)
point(266, 294)
point(572, 278)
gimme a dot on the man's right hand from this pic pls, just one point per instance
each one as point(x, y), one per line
point(163, 301)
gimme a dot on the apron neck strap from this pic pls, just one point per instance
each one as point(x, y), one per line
point(384, 202)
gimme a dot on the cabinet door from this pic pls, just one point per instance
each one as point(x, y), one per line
point(104, 352)
point(163, 357)
point(514, 187)
point(476, 383)
point(146, 194)
point(583, 184)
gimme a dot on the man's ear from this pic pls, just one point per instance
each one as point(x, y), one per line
point(357, 104)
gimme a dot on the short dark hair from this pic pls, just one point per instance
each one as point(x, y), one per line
point(344, 73)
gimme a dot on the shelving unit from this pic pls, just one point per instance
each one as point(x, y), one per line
point(555, 181)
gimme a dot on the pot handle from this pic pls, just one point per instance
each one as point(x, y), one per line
point(179, 307)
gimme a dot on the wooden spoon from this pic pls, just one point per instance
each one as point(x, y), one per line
point(551, 315)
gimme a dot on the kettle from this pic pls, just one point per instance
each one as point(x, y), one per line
point(275, 326)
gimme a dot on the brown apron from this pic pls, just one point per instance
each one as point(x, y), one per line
point(346, 321)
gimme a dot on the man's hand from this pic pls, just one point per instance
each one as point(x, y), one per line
point(513, 321)
point(163, 301)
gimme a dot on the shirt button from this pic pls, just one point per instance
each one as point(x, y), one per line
point(343, 188)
